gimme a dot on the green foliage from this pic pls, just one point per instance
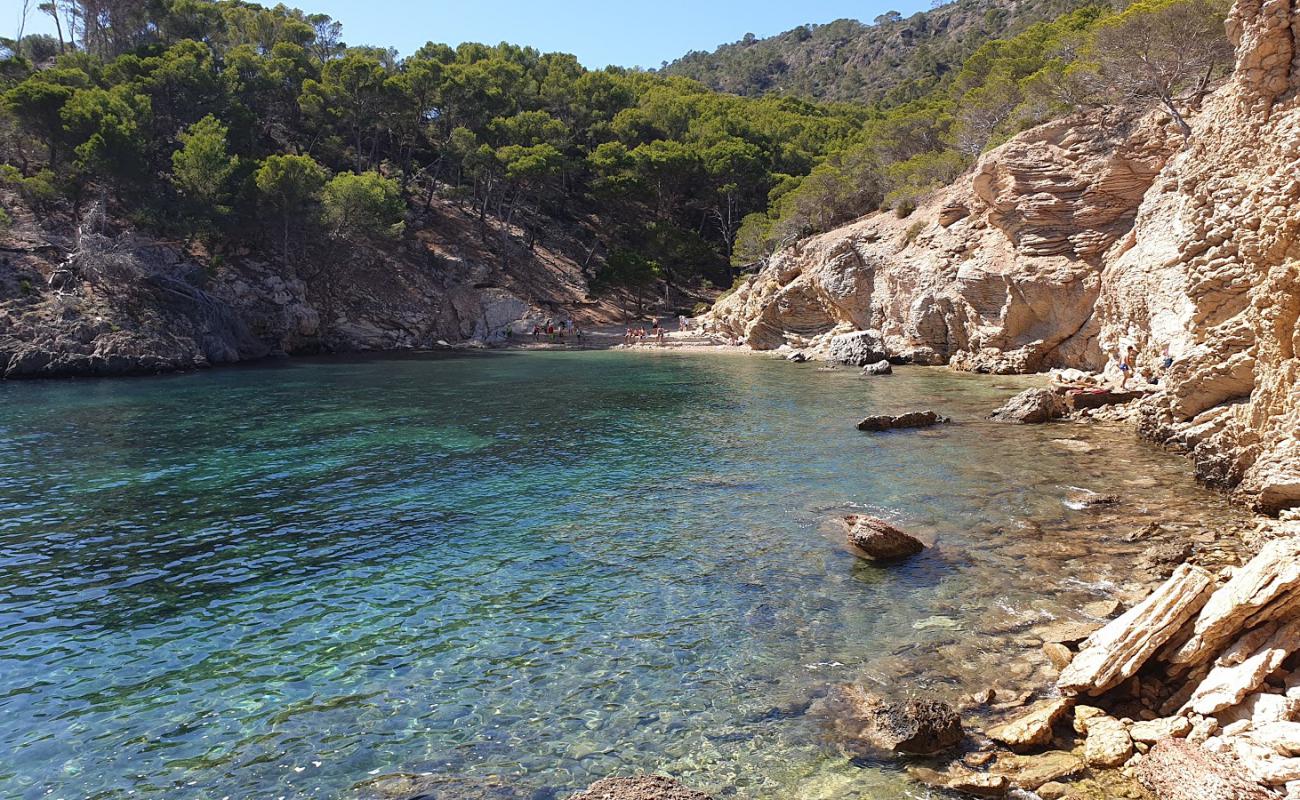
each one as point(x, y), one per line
point(203, 165)
point(363, 205)
point(289, 182)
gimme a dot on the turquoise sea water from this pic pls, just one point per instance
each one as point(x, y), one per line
point(280, 580)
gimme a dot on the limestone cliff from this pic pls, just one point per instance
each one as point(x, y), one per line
point(1087, 232)
point(97, 298)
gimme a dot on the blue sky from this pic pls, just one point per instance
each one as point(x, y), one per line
point(642, 33)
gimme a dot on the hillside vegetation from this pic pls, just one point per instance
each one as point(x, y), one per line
point(894, 59)
point(238, 126)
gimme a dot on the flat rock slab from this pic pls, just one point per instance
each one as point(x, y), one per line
point(963, 781)
point(912, 419)
point(1079, 400)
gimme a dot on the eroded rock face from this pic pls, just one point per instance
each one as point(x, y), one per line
point(1089, 231)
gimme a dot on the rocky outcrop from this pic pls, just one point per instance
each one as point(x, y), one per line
point(880, 541)
point(911, 419)
point(105, 300)
point(1087, 232)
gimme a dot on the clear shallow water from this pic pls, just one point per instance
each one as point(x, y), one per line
point(276, 581)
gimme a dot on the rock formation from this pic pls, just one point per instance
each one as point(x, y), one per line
point(1085, 232)
point(109, 301)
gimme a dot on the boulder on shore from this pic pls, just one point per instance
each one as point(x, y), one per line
point(1031, 406)
point(912, 727)
point(859, 348)
point(642, 787)
point(912, 419)
point(881, 367)
point(879, 540)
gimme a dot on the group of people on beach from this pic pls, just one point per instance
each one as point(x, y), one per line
point(555, 332)
point(638, 335)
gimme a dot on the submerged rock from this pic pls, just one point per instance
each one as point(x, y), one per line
point(409, 786)
point(1031, 406)
point(913, 726)
point(912, 419)
point(879, 540)
point(642, 787)
point(963, 781)
point(1089, 499)
point(879, 368)
point(1030, 772)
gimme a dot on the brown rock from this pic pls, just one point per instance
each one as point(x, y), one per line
point(880, 541)
point(642, 787)
point(1176, 769)
point(912, 419)
point(1058, 654)
point(1052, 790)
point(1030, 772)
point(1032, 406)
point(1033, 729)
point(913, 726)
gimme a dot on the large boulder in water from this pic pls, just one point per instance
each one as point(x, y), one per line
point(912, 727)
point(879, 540)
point(881, 367)
point(912, 419)
point(859, 348)
point(1032, 406)
point(642, 787)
